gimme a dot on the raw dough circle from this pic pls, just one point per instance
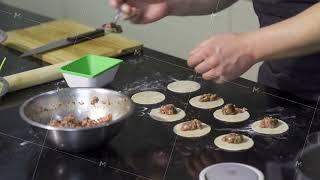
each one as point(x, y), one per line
point(282, 128)
point(184, 86)
point(245, 145)
point(190, 134)
point(240, 117)
point(156, 115)
point(205, 105)
point(148, 97)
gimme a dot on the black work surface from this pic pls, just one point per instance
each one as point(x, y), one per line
point(148, 149)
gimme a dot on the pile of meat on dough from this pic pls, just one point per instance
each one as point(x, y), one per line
point(70, 121)
point(191, 125)
point(269, 122)
point(231, 109)
point(168, 109)
point(208, 97)
point(233, 138)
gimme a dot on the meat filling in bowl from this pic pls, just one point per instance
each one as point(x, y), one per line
point(168, 109)
point(233, 138)
point(269, 122)
point(208, 97)
point(71, 122)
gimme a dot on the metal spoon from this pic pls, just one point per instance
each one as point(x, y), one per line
point(117, 16)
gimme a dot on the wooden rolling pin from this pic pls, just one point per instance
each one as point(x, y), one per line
point(34, 77)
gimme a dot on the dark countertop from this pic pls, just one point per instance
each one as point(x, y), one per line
point(147, 149)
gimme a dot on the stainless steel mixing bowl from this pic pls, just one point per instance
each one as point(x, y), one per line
point(39, 110)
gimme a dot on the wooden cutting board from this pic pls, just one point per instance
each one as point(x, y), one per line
point(29, 38)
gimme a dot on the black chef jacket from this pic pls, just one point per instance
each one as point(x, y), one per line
point(301, 76)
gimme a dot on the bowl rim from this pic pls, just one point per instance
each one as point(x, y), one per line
point(48, 127)
point(202, 175)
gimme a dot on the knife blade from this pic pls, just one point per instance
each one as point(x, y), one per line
point(65, 42)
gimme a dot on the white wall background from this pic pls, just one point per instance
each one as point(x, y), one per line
point(52, 8)
point(173, 35)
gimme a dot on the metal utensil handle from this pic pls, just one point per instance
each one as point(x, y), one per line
point(87, 36)
point(118, 13)
point(117, 16)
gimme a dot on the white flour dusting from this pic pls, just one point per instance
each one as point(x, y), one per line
point(144, 85)
point(157, 81)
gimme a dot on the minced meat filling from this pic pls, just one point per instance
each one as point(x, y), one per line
point(231, 109)
point(269, 122)
point(208, 97)
point(233, 138)
point(168, 109)
point(71, 122)
point(191, 125)
point(112, 27)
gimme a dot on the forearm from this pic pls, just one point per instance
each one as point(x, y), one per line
point(197, 7)
point(297, 36)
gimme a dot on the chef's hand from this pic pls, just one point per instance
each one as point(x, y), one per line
point(142, 11)
point(223, 57)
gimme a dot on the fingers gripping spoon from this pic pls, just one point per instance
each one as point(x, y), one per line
point(113, 26)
